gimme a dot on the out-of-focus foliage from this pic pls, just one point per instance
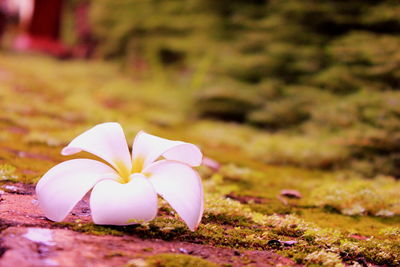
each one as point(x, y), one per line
point(313, 67)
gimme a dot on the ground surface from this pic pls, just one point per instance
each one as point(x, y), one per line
point(255, 214)
point(29, 239)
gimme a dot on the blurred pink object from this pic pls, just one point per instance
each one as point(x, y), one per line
point(23, 8)
point(210, 163)
point(25, 42)
point(39, 26)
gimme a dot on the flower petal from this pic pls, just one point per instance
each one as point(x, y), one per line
point(122, 204)
point(107, 141)
point(147, 148)
point(65, 184)
point(181, 187)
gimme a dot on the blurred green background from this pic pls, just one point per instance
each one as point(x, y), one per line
point(327, 71)
point(306, 83)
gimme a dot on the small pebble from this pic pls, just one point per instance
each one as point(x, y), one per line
point(290, 193)
point(11, 188)
point(50, 262)
point(136, 263)
point(385, 213)
point(289, 243)
point(182, 250)
point(43, 236)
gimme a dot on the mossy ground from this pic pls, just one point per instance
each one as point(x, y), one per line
point(342, 217)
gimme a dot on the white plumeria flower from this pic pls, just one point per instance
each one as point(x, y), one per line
point(125, 192)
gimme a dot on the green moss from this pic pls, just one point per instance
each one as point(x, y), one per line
point(175, 260)
point(325, 258)
point(92, 228)
point(226, 219)
point(360, 197)
point(382, 252)
point(7, 173)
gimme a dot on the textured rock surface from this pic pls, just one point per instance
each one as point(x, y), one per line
point(29, 239)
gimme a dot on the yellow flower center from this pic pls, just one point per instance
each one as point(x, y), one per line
point(138, 164)
point(125, 174)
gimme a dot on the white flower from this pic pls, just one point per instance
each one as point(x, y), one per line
point(125, 192)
